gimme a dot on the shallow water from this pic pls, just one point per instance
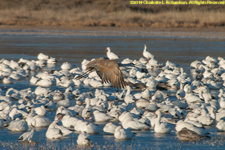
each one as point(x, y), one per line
point(76, 46)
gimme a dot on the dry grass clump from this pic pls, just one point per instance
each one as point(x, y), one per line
point(116, 13)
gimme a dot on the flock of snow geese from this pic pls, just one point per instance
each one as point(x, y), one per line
point(125, 97)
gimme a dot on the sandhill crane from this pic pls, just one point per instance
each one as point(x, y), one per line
point(107, 70)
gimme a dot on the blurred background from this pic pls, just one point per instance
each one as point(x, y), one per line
point(107, 13)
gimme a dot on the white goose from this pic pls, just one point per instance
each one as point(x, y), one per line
point(147, 54)
point(53, 132)
point(110, 54)
point(56, 131)
point(41, 111)
point(92, 129)
point(162, 128)
point(188, 135)
point(129, 97)
point(66, 66)
point(123, 134)
point(182, 124)
point(220, 125)
point(180, 94)
point(81, 126)
point(18, 125)
point(87, 112)
point(146, 94)
point(191, 98)
point(134, 125)
point(40, 121)
point(101, 117)
point(110, 128)
point(69, 122)
point(222, 102)
point(42, 56)
point(27, 136)
point(205, 118)
point(84, 140)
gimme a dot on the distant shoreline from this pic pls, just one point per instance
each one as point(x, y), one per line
point(202, 33)
point(115, 14)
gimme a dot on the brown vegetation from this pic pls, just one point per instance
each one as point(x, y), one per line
point(106, 13)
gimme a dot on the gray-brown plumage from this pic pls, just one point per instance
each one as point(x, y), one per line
point(107, 70)
point(189, 135)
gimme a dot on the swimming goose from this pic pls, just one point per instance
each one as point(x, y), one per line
point(188, 135)
point(27, 136)
point(81, 126)
point(110, 128)
point(84, 140)
point(53, 132)
point(30, 117)
point(162, 128)
point(123, 134)
point(69, 121)
point(92, 129)
point(205, 118)
point(40, 121)
point(101, 117)
point(182, 124)
point(134, 125)
point(107, 70)
point(18, 125)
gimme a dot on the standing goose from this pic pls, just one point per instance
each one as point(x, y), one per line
point(147, 54)
point(110, 54)
point(107, 70)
